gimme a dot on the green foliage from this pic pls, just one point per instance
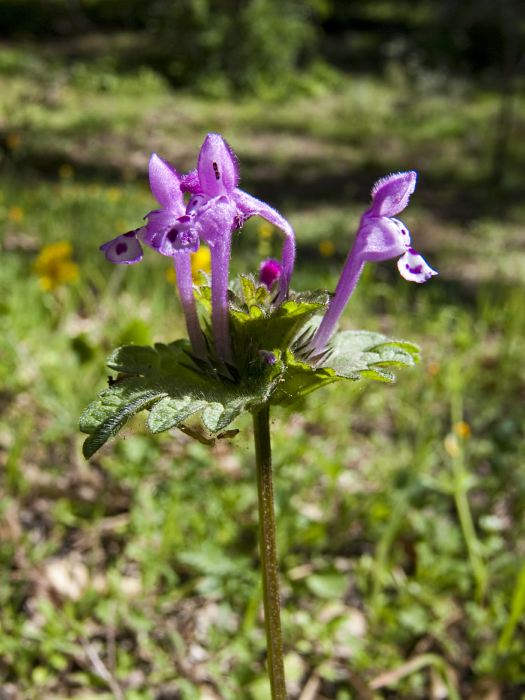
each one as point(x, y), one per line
point(176, 386)
point(250, 46)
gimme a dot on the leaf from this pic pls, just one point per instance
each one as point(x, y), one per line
point(105, 417)
point(353, 355)
point(300, 379)
point(169, 413)
point(248, 290)
point(173, 390)
point(358, 354)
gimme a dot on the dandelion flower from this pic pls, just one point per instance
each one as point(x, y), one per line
point(54, 266)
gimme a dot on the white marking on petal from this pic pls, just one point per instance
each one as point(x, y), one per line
point(123, 250)
point(414, 268)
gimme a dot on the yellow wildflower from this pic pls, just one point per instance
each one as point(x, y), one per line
point(66, 171)
point(15, 214)
point(54, 266)
point(200, 262)
point(462, 430)
point(326, 248)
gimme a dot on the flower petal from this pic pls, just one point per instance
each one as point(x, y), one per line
point(215, 219)
point(217, 166)
point(414, 268)
point(124, 249)
point(160, 221)
point(164, 182)
point(195, 203)
point(390, 194)
point(179, 239)
point(380, 238)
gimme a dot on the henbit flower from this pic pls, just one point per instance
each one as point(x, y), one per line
point(54, 266)
point(220, 207)
point(171, 232)
point(380, 237)
point(215, 209)
point(269, 272)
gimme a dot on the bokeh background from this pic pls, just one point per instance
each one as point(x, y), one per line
point(400, 508)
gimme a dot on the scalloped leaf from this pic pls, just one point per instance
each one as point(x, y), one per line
point(299, 380)
point(173, 391)
point(105, 416)
point(358, 354)
point(169, 412)
point(174, 385)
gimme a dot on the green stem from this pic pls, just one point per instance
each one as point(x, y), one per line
point(268, 553)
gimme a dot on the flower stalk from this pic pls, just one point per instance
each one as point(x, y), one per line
point(268, 552)
point(182, 263)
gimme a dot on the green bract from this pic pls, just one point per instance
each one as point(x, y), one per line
point(272, 366)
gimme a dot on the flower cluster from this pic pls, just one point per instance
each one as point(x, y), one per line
point(215, 209)
point(206, 206)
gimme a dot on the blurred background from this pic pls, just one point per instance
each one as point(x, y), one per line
point(400, 508)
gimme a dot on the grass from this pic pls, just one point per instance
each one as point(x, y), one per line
point(400, 509)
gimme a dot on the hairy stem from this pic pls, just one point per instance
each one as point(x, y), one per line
point(220, 262)
point(268, 553)
point(346, 285)
point(182, 264)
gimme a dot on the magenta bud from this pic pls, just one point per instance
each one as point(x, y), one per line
point(268, 358)
point(269, 272)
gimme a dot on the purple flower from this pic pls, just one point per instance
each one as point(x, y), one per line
point(216, 208)
point(380, 237)
point(269, 272)
point(171, 232)
point(219, 208)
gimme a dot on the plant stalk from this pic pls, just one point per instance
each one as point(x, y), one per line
point(268, 553)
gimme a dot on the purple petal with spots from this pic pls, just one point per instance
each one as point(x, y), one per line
point(217, 166)
point(164, 182)
point(414, 268)
point(159, 223)
point(390, 195)
point(124, 249)
point(195, 203)
point(179, 239)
